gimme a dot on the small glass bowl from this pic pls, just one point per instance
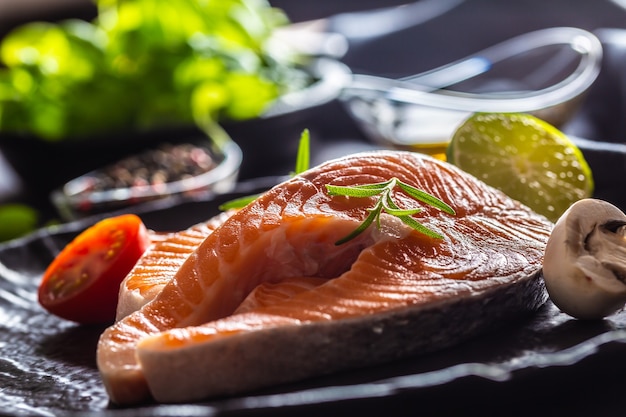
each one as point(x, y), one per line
point(545, 73)
point(277, 129)
point(99, 191)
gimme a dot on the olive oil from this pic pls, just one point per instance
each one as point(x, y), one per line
point(436, 149)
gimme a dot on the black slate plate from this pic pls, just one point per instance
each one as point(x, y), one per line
point(47, 365)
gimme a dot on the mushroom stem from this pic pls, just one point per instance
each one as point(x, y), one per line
point(585, 260)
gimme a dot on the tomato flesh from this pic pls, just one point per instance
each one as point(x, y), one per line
point(82, 283)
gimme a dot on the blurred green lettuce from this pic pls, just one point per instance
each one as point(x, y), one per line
point(142, 64)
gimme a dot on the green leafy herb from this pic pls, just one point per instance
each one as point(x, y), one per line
point(304, 153)
point(302, 164)
point(144, 64)
point(238, 203)
point(385, 203)
point(17, 220)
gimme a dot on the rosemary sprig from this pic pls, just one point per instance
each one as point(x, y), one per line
point(385, 203)
point(302, 164)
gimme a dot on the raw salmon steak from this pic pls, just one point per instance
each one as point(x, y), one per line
point(269, 297)
point(159, 263)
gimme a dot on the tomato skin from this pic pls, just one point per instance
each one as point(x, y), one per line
point(82, 283)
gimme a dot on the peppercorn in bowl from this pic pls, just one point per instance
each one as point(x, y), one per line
point(197, 168)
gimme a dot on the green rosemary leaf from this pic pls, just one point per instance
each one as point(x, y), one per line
point(389, 204)
point(401, 212)
point(238, 202)
point(426, 198)
point(362, 227)
point(302, 164)
point(303, 156)
point(378, 208)
point(410, 221)
point(376, 186)
point(352, 191)
point(392, 208)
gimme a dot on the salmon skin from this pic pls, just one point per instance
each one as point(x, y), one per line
point(269, 298)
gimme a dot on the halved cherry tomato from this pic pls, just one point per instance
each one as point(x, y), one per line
point(82, 283)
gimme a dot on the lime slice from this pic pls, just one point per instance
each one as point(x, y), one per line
point(525, 157)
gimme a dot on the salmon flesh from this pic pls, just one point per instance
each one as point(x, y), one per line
point(269, 298)
point(158, 265)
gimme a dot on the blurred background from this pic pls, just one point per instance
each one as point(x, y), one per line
point(388, 38)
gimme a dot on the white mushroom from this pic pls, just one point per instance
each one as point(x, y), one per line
point(584, 266)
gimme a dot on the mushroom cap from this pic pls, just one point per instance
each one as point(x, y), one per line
point(584, 264)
